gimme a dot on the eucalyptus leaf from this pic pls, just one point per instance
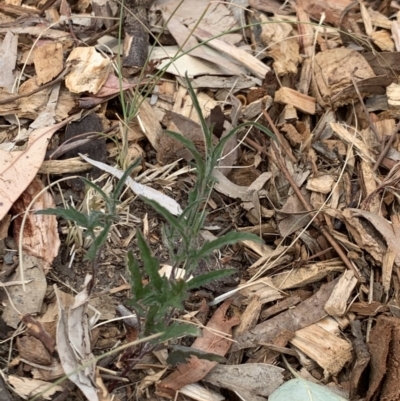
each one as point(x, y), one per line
point(303, 390)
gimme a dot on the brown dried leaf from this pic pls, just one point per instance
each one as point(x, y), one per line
point(214, 341)
point(40, 237)
point(48, 60)
point(17, 169)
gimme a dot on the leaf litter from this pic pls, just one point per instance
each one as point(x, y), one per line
point(323, 286)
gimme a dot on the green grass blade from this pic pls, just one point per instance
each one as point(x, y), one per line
point(150, 264)
point(121, 182)
point(205, 278)
point(227, 239)
point(206, 130)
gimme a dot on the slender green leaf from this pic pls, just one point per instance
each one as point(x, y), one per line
point(176, 330)
point(205, 278)
point(171, 219)
point(68, 214)
point(206, 131)
point(98, 243)
point(136, 276)
point(150, 264)
point(121, 182)
point(190, 146)
point(227, 239)
point(219, 148)
point(181, 354)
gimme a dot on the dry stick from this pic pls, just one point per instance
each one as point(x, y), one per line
point(32, 92)
point(371, 124)
point(387, 147)
point(308, 207)
point(278, 135)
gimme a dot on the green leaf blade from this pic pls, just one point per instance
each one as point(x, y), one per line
point(227, 239)
point(205, 278)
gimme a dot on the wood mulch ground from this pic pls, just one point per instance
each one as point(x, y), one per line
point(318, 300)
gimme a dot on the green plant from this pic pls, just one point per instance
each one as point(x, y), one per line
point(96, 223)
point(156, 301)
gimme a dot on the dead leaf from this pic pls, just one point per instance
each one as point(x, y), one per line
point(48, 60)
point(214, 341)
point(73, 343)
point(8, 59)
point(40, 237)
point(17, 169)
point(30, 300)
point(27, 388)
point(251, 381)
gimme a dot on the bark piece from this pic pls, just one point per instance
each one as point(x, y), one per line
point(255, 66)
point(277, 37)
point(307, 275)
point(136, 27)
point(31, 300)
point(280, 307)
point(329, 351)
point(95, 149)
point(8, 59)
point(40, 237)
point(332, 9)
point(384, 346)
point(333, 72)
point(337, 302)
point(362, 357)
point(372, 233)
point(368, 309)
point(322, 184)
point(305, 314)
point(304, 103)
point(89, 70)
point(384, 63)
